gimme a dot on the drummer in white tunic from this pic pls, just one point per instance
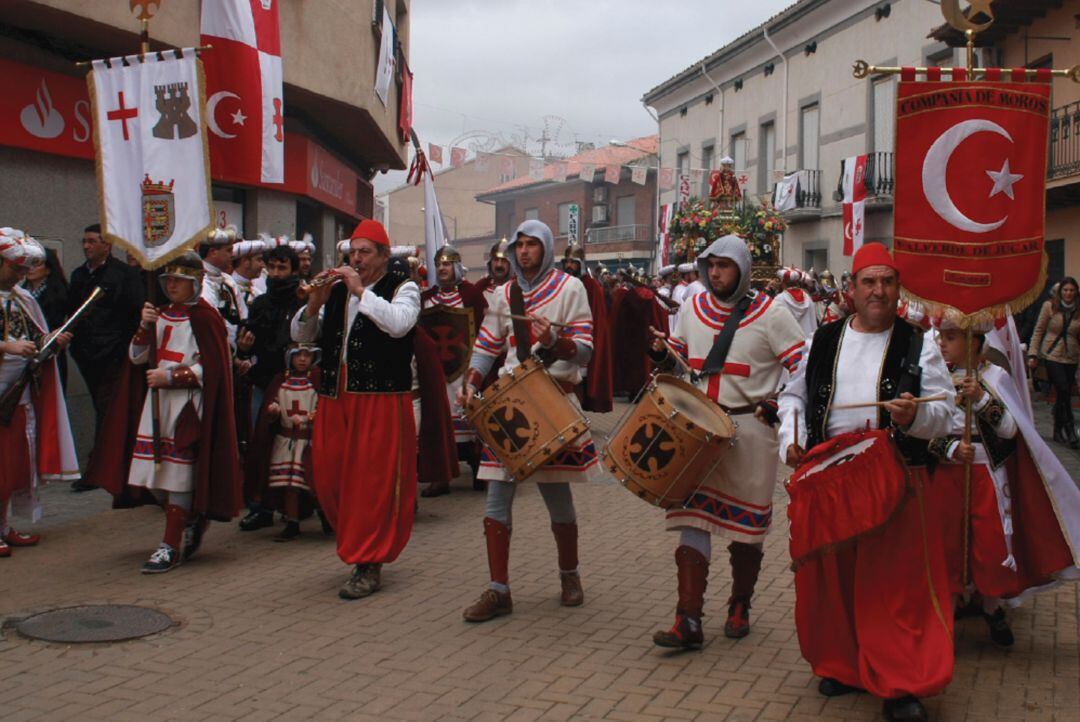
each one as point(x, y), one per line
point(735, 501)
point(547, 296)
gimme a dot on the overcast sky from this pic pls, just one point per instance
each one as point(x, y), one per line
point(501, 67)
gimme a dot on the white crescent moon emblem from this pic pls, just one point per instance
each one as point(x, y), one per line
point(935, 168)
point(847, 230)
point(211, 112)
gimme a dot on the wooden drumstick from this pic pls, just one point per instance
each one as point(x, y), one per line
point(516, 317)
point(869, 404)
point(677, 357)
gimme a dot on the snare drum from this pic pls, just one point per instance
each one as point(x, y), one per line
point(670, 442)
point(526, 419)
point(844, 487)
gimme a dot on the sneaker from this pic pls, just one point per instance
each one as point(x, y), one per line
point(161, 561)
point(19, 539)
point(365, 581)
point(290, 532)
point(1000, 632)
point(257, 519)
point(491, 604)
point(737, 625)
point(193, 536)
point(686, 633)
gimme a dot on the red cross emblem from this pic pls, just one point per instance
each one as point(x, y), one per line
point(278, 121)
point(123, 114)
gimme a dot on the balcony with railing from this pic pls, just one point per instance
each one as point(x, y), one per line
point(879, 179)
point(1064, 142)
point(620, 234)
point(801, 201)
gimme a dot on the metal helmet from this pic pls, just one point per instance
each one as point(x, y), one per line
point(498, 250)
point(187, 265)
point(575, 250)
point(447, 253)
point(222, 236)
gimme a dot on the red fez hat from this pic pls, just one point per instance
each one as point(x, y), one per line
point(872, 254)
point(371, 231)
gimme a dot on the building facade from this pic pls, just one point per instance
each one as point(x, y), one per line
point(616, 221)
point(782, 98)
point(470, 225)
point(338, 134)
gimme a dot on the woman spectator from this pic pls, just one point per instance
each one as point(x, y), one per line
point(1056, 341)
point(47, 284)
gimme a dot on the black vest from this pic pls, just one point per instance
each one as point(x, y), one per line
point(895, 379)
point(377, 363)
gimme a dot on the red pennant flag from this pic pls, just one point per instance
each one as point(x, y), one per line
point(244, 110)
point(405, 109)
point(854, 185)
point(457, 157)
point(435, 153)
point(970, 192)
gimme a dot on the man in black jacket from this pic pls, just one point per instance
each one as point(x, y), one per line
point(106, 329)
point(264, 337)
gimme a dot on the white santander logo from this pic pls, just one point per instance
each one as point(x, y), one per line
point(41, 118)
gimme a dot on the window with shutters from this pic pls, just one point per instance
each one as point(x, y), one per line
point(809, 136)
point(884, 109)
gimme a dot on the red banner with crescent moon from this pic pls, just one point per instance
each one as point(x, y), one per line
point(971, 193)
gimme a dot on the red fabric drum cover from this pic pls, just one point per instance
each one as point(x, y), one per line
point(844, 487)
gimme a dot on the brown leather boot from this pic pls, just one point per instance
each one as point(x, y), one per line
point(492, 603)
point(745, 567)
point(566, 536)
point(687, 633)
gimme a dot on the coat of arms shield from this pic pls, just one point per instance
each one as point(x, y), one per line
point(454, 331)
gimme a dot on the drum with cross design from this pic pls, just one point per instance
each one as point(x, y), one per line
point(670, 443)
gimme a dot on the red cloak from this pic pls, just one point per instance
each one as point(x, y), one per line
point(633, 311)
point(437, 463)
point(257, 463)
point(217, 492)
point(597, 387)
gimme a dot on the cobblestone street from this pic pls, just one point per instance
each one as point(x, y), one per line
point(261, 633)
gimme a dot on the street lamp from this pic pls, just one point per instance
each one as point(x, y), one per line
point(444, 216)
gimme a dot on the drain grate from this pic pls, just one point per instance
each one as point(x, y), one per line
point(98, 623)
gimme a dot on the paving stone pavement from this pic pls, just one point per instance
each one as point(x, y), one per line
point(261, 633)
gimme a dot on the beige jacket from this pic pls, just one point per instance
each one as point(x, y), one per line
point(1047, 330)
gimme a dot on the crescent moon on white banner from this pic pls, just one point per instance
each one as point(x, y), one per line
point(935, 168)
point(211, 113)
point(847, 231)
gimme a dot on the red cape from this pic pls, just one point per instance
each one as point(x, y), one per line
point(598, 390)
point(257, 463)
point(633, 310)
point(217, 475)
point(437, 462)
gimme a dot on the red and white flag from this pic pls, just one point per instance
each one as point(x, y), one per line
point(507, 166)
point(435, 153)
point(666, 214)
point(457, 157)
point(639, 174)
point(588, 172)
point(854, 184)
point(244, 110)
point(536, 169)
point(562, 169)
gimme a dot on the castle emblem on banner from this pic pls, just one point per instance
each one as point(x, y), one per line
point(159, 211)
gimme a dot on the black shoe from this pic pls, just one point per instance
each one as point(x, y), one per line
point(79, 486)
point(259, 519)
point(1059, 436)
point(905, 709)
point(1000, 631)
point(327, 529)
point(973, 608)
point(290, 532)
point(193, 536)
point(830, 687)
point(162, 560)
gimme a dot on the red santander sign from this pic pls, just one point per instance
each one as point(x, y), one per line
point(45, 111)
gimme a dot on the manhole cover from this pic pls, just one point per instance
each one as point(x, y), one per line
point(99, 623)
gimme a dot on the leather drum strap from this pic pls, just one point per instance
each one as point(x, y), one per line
point(522, 330)
point(714, 362)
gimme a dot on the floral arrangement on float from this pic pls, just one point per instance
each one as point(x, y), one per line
point(762, 228)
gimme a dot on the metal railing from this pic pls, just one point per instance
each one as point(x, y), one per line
point(1064, 141)
point(880, 178)
point(808, 193)
point(611, 234)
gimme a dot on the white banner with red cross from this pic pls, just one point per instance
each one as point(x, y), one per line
point(153, 159)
